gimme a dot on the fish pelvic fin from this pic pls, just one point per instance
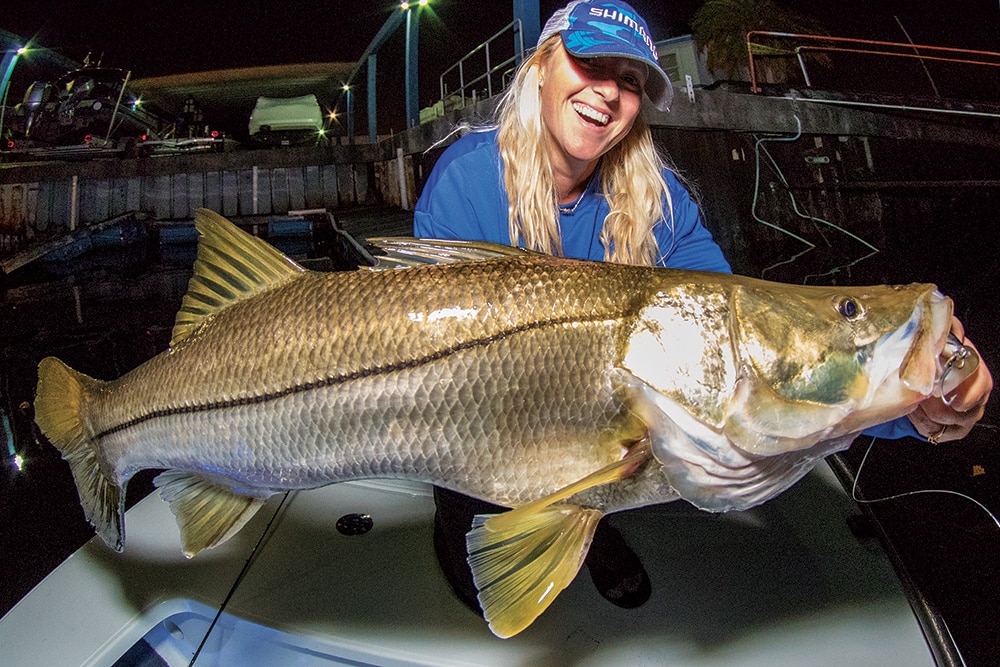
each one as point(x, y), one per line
point(522, 559)
point(231, 266)
point(59, 401)
point(206, 513)
point(520, 569)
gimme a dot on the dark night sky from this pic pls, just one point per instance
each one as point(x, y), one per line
point(184, 35)
point(181, 36)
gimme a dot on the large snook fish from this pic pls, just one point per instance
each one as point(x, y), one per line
point(565, 389)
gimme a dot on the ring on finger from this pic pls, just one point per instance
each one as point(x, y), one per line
point(936, 438)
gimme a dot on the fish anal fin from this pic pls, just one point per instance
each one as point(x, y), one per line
point(519, 569)
point(207, 514)
point(231, 265)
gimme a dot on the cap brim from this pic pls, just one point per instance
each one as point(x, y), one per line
point(658, 88)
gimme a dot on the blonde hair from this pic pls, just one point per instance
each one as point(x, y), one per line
point(631, 177)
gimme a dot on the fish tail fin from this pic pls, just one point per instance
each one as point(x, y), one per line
point(520, 569)
point(59, 401)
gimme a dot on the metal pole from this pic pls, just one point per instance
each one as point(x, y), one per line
point(372, 98)
point(530, 26)
point(383, 34)
point(404, 195)
point(9, 60)
point(802, 66)
point(753, 71)
point(489, 73)
point(922, 63)
point(350, 117)
point(412, 90)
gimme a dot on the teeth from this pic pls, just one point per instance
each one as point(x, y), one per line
point(591, 113)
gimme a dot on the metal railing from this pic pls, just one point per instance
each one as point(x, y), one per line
point(491, 79)
point(826, 44)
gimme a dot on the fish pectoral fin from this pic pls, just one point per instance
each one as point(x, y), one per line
point(523, 558)
point(519, 569)
point(640, 454)
point(207, 514)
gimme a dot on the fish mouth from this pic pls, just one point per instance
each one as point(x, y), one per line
point(591, 114)
point(925, 367)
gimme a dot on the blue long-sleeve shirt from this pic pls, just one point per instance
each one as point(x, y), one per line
point(465, 198)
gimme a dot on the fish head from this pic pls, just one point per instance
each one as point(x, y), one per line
point(818, 363)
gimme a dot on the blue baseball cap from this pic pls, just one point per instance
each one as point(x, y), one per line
point(593, 28)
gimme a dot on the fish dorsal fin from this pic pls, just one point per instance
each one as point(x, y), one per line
point(406, 252)
point(207, 513)
point(231, 266)
point(522, 559)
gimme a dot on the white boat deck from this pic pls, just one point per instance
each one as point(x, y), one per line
point(786, 584)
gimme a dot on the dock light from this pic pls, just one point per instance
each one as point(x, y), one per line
point(18, 462)
point(21, 51)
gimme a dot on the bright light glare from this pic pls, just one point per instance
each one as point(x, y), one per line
point(21, 51)
point(347, 87)
point(18, 462)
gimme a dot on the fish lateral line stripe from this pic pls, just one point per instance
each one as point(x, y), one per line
point(361, 374)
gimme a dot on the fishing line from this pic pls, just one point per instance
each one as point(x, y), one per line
point(239, 578)
point(756, 193)
point(854, 495)
point(759, 148)
point(904, 494)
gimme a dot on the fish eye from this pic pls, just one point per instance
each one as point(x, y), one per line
point(849, 308)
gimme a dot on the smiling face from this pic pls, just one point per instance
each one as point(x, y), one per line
point(588, 105)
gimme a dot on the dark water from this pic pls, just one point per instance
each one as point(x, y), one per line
point(111, 312)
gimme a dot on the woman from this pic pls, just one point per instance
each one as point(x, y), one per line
point(571, 169)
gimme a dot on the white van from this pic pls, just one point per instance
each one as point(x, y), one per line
point(285, 121)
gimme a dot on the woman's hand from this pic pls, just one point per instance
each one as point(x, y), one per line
point(939, 421)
